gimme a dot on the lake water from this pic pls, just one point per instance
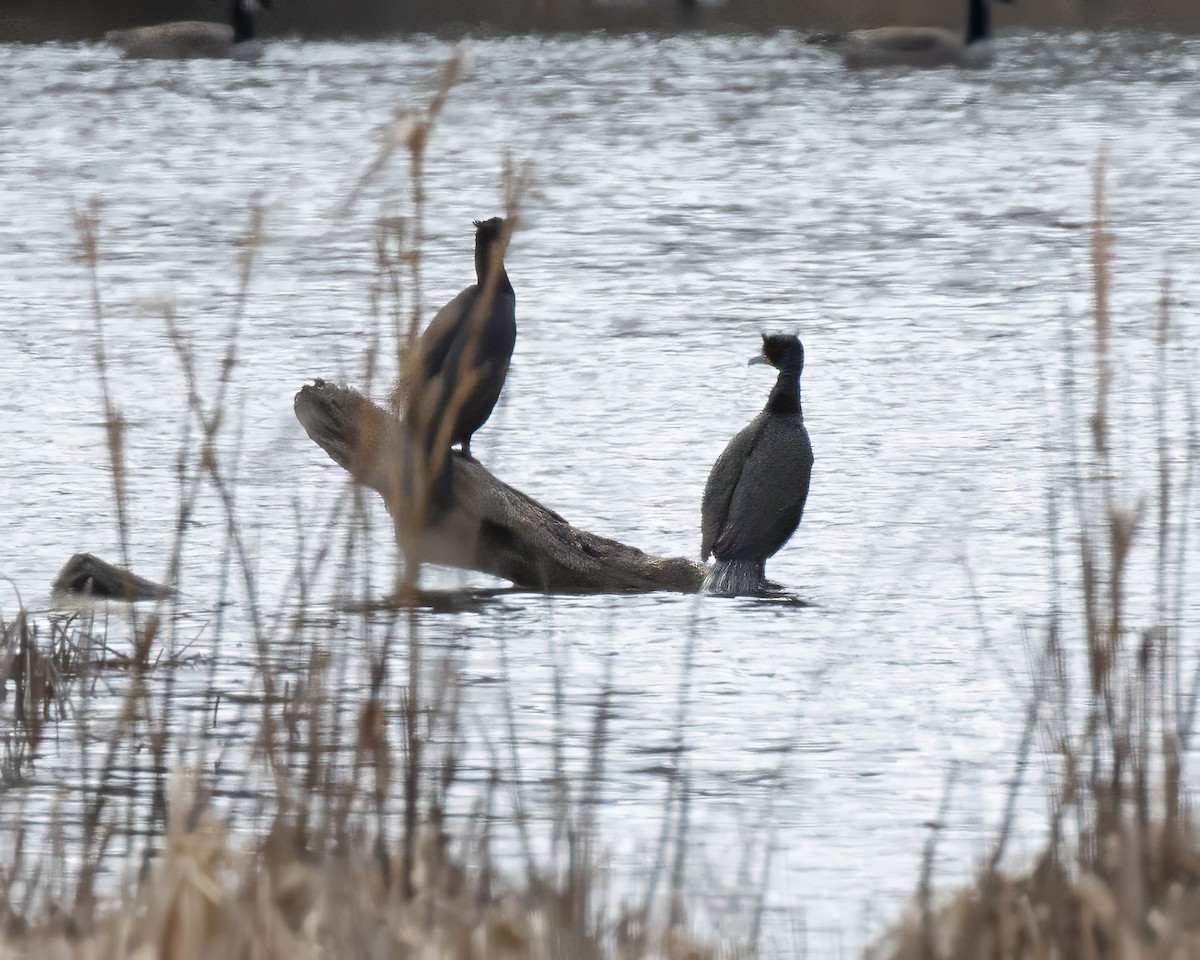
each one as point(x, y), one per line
point(926, 234)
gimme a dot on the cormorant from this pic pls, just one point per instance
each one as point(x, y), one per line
point(919, 46)
point(462, 357)
point(756, 490)
point(451, 377)
point(194, 39)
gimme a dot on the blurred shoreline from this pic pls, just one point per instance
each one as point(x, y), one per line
point(73, 20)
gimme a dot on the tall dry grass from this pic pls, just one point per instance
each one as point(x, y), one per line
point(347, 838)
point(1115, 694)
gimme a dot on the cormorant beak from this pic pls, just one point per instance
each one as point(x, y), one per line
point(753, 361)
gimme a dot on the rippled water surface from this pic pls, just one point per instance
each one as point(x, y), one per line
point(925, 234)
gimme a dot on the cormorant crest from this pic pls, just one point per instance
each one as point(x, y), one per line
point(780, 347)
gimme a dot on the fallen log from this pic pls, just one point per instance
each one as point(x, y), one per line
point(490, 526)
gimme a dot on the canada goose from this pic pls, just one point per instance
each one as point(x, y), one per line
point(194, 39)
point(919, 46)
point(755, 494)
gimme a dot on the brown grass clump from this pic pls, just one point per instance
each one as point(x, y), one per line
point(1051, 913)
point(208, 897)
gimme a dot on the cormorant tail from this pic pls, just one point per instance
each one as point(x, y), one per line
point(735, 578)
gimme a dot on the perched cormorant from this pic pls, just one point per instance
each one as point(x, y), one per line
point(919, 46)
point(462, 356)
point(194, 39)
point(452, 375)
point(756, 490)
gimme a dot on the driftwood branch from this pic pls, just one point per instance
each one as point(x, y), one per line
point(490, 527)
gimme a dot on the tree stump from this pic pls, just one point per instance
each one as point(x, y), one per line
point(490, 526)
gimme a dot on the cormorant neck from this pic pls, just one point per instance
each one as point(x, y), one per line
point(785, 395)
point(979, 21)
point(243, 21)
point(481, 270)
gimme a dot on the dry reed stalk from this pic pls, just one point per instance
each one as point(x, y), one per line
point(320, 883)
point(87, 223)
point(424, 468)
point(1131, 890)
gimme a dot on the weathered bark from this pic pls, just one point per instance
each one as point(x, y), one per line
point(87, 576)
point(490, 526)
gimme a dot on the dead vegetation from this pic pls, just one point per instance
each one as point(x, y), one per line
point(351, 848)
point(345, 832)
point(1120, 873)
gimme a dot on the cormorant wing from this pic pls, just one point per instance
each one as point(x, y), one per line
point(447, 325)
point(722, 481)
point(767, 503)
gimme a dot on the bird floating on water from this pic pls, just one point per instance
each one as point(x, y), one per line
point(451, 381)
point(755, 494)
point(919, 46)
point(194, 39)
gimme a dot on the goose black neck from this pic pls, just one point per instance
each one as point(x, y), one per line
point(785, 395)
point(482, 257)
point(243, 21)
point(979, 21)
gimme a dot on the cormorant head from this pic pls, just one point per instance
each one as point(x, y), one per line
point(487, 231)
point(489, 247)
point(781, 350)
